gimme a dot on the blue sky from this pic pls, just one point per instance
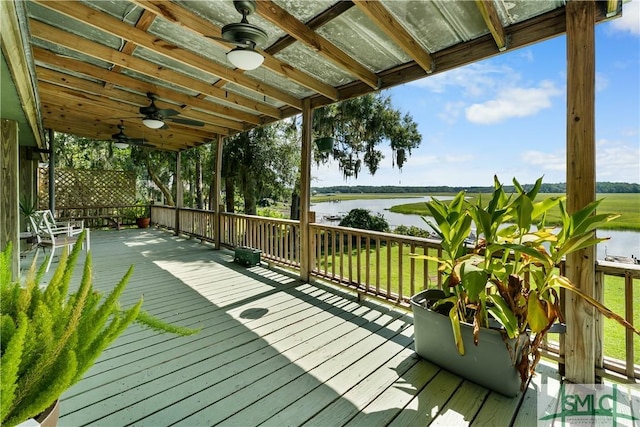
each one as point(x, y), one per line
point(506, 116)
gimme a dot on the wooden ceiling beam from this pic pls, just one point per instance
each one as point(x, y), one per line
point(79, 44)
point(103, 136)
point(380, 16)
point(144, 22)
point(314, 23)
point(82, 85)
point(105, 109)
point(491, 18)
point(228, 117)
point(283, 19)
point(103, 22)
point(175, 13)
point(67, 119)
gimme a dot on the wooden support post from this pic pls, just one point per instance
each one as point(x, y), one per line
point(179, 191)
point(52, 171)
point(217, 188)
point(305, 189)
point(9, 191)
point(580, 353)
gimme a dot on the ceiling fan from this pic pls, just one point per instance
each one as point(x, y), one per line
point(247, 37)
point(121, 140)
point(155, 117)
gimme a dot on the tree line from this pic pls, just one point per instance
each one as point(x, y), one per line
point(601, 187)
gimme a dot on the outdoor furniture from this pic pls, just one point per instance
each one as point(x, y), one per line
point(73, 227)
point(50, 234)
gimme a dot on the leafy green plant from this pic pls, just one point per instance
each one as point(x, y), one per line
point(362, 218)
point(49, 340)
point(510, 274)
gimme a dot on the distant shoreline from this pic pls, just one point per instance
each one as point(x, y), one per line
point(626, 204)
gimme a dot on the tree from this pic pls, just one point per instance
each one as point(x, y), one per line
point(359, 126)
point(362, 218)
point(260, 163)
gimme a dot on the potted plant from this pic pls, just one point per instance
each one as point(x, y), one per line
point(502, 291)
point(140, 214)
point(49, 340)
point(324, 144)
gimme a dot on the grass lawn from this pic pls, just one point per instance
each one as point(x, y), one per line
point(627, 205)
point(614, 334)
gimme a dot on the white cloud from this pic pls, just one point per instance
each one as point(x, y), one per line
point(630, 21)
point(451, 112)
point(474, 79)
point(602, 82)
point(617, 161)
point(545, 161)
point(513, 102)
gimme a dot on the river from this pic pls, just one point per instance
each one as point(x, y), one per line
point(625, 243)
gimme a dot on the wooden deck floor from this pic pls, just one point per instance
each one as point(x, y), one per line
point(272, 351)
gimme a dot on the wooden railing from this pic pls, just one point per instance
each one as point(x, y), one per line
point(380, 265)
point(278, 239)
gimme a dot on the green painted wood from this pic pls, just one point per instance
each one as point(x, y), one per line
point(428, 403)
point(272, 349)
point(463, 406)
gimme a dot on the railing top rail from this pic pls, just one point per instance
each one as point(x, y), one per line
point(618, 269)
point(422, 241)
point(261, 218)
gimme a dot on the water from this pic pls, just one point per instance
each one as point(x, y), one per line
point(625, 243)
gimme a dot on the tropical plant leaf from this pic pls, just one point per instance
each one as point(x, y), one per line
point(503, 314)
point(536, 313)
point(457, 333)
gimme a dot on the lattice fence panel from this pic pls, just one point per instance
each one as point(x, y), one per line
point(85, 188)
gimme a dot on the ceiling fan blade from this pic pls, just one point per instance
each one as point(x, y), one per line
point(148, 111)
point(167, 112)
point(186, 121)
point(222, 40)
point(137, 140)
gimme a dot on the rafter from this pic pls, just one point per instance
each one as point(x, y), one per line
point(396, 32)
point(234, 116)
point(104, 53)
point(283, 19)
point(106, 23)
point(78, 84)
point(192, 22)
point(491, 18)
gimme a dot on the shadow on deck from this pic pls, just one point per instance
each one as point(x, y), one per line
point(272, 350)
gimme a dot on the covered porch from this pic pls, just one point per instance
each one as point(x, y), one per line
point(272, 350)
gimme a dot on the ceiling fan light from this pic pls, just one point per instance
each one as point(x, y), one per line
point(153, 123)
point(120, 145)
point(244, 58)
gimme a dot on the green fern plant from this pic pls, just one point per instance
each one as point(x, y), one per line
point(49, 339)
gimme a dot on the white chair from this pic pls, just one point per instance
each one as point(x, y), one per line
point(72, 227)
point(50, 235)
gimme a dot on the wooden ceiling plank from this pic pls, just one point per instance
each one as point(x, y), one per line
point(283, 19)
point(78, 84)
point(192, 22)
point(491, 18)
point(103, 132)
point(79, 44)
point(130, 83)
point(314, 23)
point(71, 116)
point(144, 22)
point(74, 117)
point(380, 16)
point(100, 108)
point(103, 22)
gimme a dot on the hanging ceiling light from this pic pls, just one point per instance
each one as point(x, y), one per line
point(245, 58)
point(152, 123)
point(120, 145)
point(246, 36)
